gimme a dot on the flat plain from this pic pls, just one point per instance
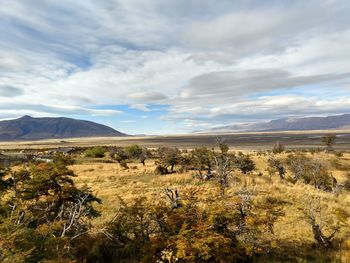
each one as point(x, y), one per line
point(237, 141)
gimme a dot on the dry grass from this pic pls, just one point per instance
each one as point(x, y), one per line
point(109, 181)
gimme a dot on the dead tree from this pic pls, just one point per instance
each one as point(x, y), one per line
point(74, 216)
point(207, 176)
point(173, 197)
point(244, 206)
point(314, 214)
point(223, 172)
point(204, 176)
point(223, 166)
point(277, 166)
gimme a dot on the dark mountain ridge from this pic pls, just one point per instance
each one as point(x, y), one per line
point(29, 128)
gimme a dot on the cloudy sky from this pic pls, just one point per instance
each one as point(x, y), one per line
point(174, 66)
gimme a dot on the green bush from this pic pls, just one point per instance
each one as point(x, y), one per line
point(95, 152)
point(136, 152)
point(244, 163)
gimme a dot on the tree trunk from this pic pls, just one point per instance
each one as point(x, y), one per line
point(321, 240)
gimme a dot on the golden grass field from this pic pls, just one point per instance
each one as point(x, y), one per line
point(109, 181)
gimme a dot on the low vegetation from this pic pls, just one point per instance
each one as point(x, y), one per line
point(95, 152)
point(169, 205)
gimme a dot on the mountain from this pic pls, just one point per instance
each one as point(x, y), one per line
point(28, 128)
point(291, 124)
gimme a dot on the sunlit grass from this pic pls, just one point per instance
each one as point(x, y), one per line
point(110, 182)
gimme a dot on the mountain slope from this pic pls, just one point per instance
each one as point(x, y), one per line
point(293, 124)
point(28, 128)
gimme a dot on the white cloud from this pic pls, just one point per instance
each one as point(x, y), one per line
point(146, 96)
point(224, 85)
point(204, 59)
point(261, 108)
point(34, 109)
point(9, 91)
point(141, 107)
point(268, 29)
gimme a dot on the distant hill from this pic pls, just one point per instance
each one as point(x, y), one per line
point(291, 124)
point(28, 128)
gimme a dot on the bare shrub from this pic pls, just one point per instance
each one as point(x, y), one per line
point(278, 148)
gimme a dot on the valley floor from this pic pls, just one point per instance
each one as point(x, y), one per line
point(292, 233)
point(237, 141)
point(277, 212)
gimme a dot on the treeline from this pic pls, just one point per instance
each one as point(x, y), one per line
point(45, 217)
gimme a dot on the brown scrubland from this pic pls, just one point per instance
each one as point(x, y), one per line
point(132, 204)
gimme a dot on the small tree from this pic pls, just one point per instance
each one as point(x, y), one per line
point(202, 160)
point(244, 163)
point(95, 152)
point(223, 147)
point(311, 172)
point(317, 222)
point(119, 155)
point(298, 164)
point(320, 177)
point(48, 213)
point(329, 141)
point(168, 157)
point(275, 165)
point(136, 152)
point(223, 166)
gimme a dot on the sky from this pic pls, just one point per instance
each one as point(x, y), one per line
point(174, 66)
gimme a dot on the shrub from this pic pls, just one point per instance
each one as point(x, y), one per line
point(202, 160)
point(169, 157)
point(298, 164)
point(346, 184)
point(49, 215)
point(63, 159)
point(5, 182)
point(329, 141)
point(276, 166)
point(161, 170)
point(185, 164)
point(144, 230)
point(339, 154)
point(95, 152)
point(136, 152)
point(320, 177)
point(278, 148)
point(310, 172)
point(119, 155)
point(243, 163)
point(124, 164)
